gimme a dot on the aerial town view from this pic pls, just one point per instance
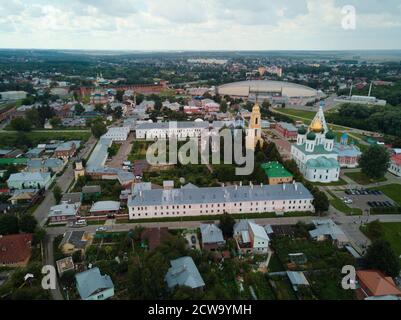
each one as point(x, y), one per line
point(178, 150)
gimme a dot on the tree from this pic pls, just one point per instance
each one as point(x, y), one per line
point(381, 256)
point(32, 115)
point(20, 124)
point(98, 129)
point(223, 106)
point(375, 230)
point(119, 95)
point(99, 108)
point(226, 225)
point(8, 224)
point(57, 193)
point(55, 122)
point(79, 109)
point(321, 202)
point(375, 161)
point(27, 223)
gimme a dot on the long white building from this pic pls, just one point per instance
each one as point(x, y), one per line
point(193, 201)
point(178, 129)
point(117, 133)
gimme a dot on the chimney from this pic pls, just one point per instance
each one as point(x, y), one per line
point(251, 184)
point(296, 186)
point(261, 184)
point(236, 187)
point(240, 183)
point(284, 186)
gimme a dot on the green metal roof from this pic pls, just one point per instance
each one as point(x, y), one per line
point(8, 161)
point(322, 163)
point(275, 169)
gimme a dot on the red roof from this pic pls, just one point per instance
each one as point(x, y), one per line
point(377, 283)
point(15, 248)
point(396, 159)
point(155, 236)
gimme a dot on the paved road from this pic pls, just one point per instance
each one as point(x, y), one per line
point(41, 212)
point(123, 152)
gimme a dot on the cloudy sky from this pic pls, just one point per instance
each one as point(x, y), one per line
point(199, 24)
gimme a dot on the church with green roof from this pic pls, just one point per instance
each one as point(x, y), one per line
point(314, 151)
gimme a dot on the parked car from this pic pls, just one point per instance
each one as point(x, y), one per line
point(101, 229)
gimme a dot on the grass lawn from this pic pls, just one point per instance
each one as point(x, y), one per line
point(9, 138)
point(139, 149)
point(282, 288)
point(392, 233)
point(340, 182)
point(341, 206)
point(362, 179)
point(392, 191)
point(298, 113)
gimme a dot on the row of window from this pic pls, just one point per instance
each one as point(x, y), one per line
point(220, 211)
point(216, 205)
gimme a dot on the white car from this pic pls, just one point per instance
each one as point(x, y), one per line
point(101, 229)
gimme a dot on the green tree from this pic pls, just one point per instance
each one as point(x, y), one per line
point(20, 124)
point(99, 108)
point(226, 224)
point(119, 95)
point(321, 202)
point(57, 193)
point(375, 230)
point(381, 256)
point(27, 223)
point(32, 115)
point(8, 224)
point(223, 106)
point(55, 122)
point(375, 161)
point(98, 129)
point(79, 109)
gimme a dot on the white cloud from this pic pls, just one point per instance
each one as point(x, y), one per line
point(197, 24)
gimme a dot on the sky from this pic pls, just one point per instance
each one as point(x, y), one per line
point(200, 24)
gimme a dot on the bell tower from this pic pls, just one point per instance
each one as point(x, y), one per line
point(255, 128)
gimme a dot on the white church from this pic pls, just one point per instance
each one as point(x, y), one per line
point(313, 151)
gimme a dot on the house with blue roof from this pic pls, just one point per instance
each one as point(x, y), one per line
point(92, 285)
point(212, 236)
point(183, 272)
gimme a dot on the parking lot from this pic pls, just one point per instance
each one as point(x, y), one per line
point(360, 198)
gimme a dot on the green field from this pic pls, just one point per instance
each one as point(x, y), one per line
point(392, 233)
point(392, 191)
point(362, 179)
point(298, 113)
point(8, 139)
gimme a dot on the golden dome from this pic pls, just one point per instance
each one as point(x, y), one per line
point(316, 125)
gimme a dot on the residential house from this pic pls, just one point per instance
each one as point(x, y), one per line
point(91, 192)
point(153, 237)
point(395, 165)
point(64, 265)
point(374, 284)
point(183, 272)
point(251, 237)
point(72, 198)
point(73, 241)
point(15, 249)
point(297, 279)
point(92, 285)
point(212, 237)
point(29, 180)
point(326, 229)
point(63, 212)
point(66, 150)
point(105, 208)
point(49, 165)
point(27, 196)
